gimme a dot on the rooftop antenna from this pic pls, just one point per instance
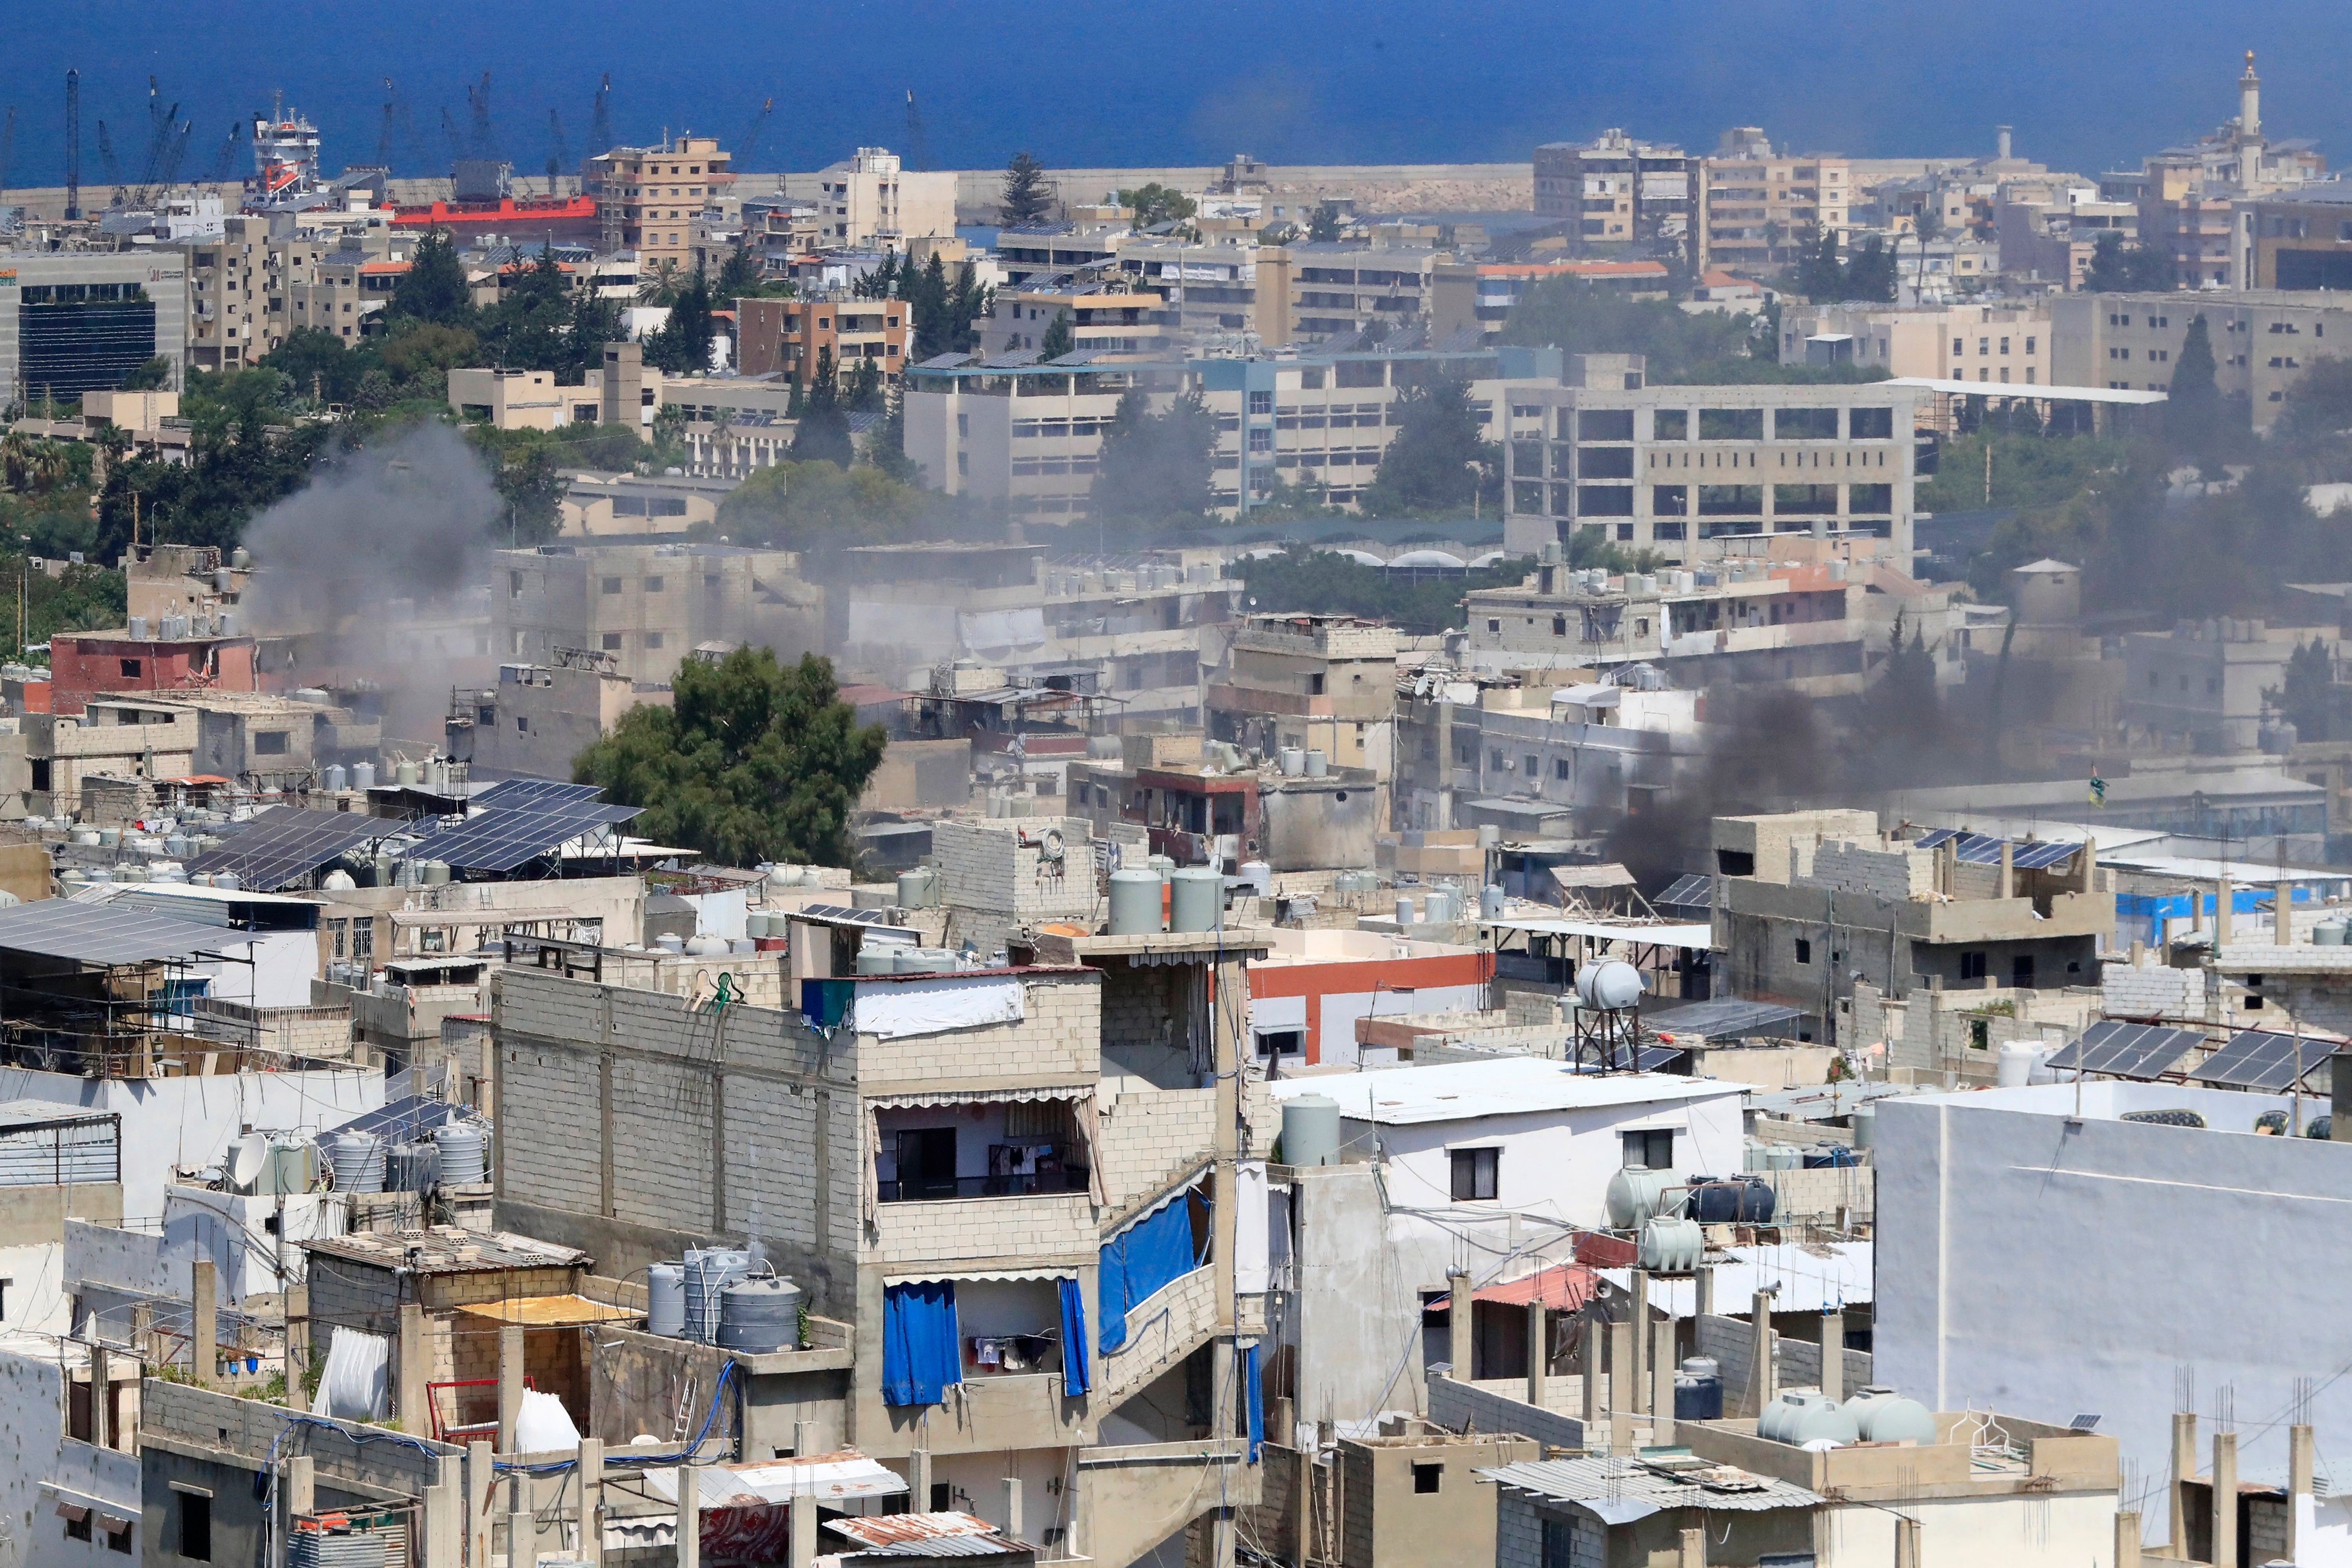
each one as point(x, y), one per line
point(600, 130)
point(559, 158)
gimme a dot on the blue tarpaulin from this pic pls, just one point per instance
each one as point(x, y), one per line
point(1252, 1400)
point(2152, 909)
point(1074, 1340)
point(921, 1352)
point(1142, 1260)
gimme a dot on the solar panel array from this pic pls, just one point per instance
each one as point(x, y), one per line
point(284, 844)
point(2256, 1059)
point(502, 840)
point(1694, 891)
point(1650, 1058)
point(1978, 849)
point(2140, 1051)
point(509, 794)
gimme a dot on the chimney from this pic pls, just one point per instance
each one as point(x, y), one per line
point(2000, 139)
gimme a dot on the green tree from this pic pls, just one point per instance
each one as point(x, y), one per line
point(1819, 277)
point(150, 376)
point(434, 287)
point(864, 392)
point(823, 433)
point(1156, 203)
point(1438, 461)
point(885, 449)
point(1155, 465)
point(2117, 268)
point(681, 345)
point(527, 328)
point(594, 322)
point(1058, 339)
point(2310, 699)
point(1325, 226)
point(530, 487)
point(1870, 274)
point(2192, 408)
point(812, 505)
point(657, 283)
point(2319, 403)
point(1313, 582)
point(927, 301)
point(740, 277)
point(1574, 316)
point(752, 761)
point(1028, 196)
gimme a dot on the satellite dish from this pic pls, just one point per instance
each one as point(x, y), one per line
point(1608, 986)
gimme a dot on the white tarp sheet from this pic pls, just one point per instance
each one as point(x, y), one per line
point(906, 1007)
point(352, 1386)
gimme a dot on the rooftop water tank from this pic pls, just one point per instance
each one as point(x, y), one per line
point(337, 776)
point(1492, 901)
point(1610, 984)
point(1883, 1415)
point(1310, 1130)
point(918, 888)
point(1634, 1194)
point(1318, 763)
point(338, 882)
point(1259, 875)
point(357, 1160)
point(1803, 1415)
point(1134, 902)
point(462, 1150)
point(1672, 1245)
point(1731, 1200)
point(1403, 910)
point(873, 958)
point(1865, 1126)
point(1783, 1157)
point(411, 1167)
point(708, 1271)
point(757, 1316)
point(2328, 933)
point(432, 873)
point(363, 775)
point(1294, 762)
point(1197, 899)
point(2015, 1066)
point(666, 1300)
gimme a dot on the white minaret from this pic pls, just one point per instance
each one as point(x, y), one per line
point(2250, 101)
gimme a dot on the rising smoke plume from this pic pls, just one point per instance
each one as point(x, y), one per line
point(366, 566)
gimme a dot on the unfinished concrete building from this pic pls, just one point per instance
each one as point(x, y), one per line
point(1815, 908)
point(1017, 1188)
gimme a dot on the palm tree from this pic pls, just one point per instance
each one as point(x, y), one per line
point(1927, 224)
point(657, 285)
point(15, 457)
point(111, 441)
point(49, 467)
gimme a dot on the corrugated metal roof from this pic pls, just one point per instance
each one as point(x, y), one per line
point(1511, 1086)
point(925, 1535)
point(1621, 1490)
point(102, 933)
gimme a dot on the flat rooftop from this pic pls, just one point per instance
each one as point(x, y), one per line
point(447, 1249)
point(1512, 1086)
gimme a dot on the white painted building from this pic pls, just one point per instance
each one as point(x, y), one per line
point(2040, 1255)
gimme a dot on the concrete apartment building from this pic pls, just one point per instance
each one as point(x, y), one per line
point(1479, 296)
point(2052, 241)
point(1027, 1211)
point(1108, 316)
point(1031, 434)
point(1997, 344)
point(796, 337)
point(2200, 687)
point(1315, 684)
point(1615, 192)
point(649, 198)
point(1812, 618)
point(2262, 339)
point(2299, 241)
point(1676, 467)
point(871, 202)
point(650, 607)
point(1757, 208)
point(258, 282)
point(77, 321)
point(1210, 285)
point(1309, 293)
point(1810, 906)
point(539, 717)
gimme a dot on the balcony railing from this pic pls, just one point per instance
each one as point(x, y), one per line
point(1069, 1179)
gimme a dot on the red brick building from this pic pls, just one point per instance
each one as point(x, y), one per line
point(83, 665)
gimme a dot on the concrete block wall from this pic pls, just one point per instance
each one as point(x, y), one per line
point(984, 867)
point(1059, 1037)
point(186, 1414)
point(2150, 990)
point(1150, 1137)
point(1520, 1535)
point(1971, 879)
point(1796, 1364)
point(1819, 1195)
point(1464, 1407)
point(1161, 1331)
point(1891, 875)
point(1039, 1231)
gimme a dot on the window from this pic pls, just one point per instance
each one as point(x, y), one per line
point(1560, 625)
point(118, 1540)
point(1559, 768)
point(1804, 951)
point(1653, 1149)
point(1427, 1477)
point(514, 585)
point(1805, 424)
point(195, 1527)
point(1559, 1544)
point(523, 724)
point(653, 640)
point(130, 668)
point(1495, 759)
point(1281, 1042)
point(78, 1529)
point(1493, 626)
point(653, 584)
point(1734, 862)
point(1261, 440)
point(1731, 425)
point(612, 584)
point(1534, 765)
point(1605, 425)
point(1261, 403)
point(339, 933)
point(1670, 424)
point(269, 743)
point(2020, 971)
point(1870, 424)
point(612, 642)
point(1474, 1173)
point(1972, 966)
point(2029, 345)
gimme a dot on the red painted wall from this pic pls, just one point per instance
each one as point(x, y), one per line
point(84, 664)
